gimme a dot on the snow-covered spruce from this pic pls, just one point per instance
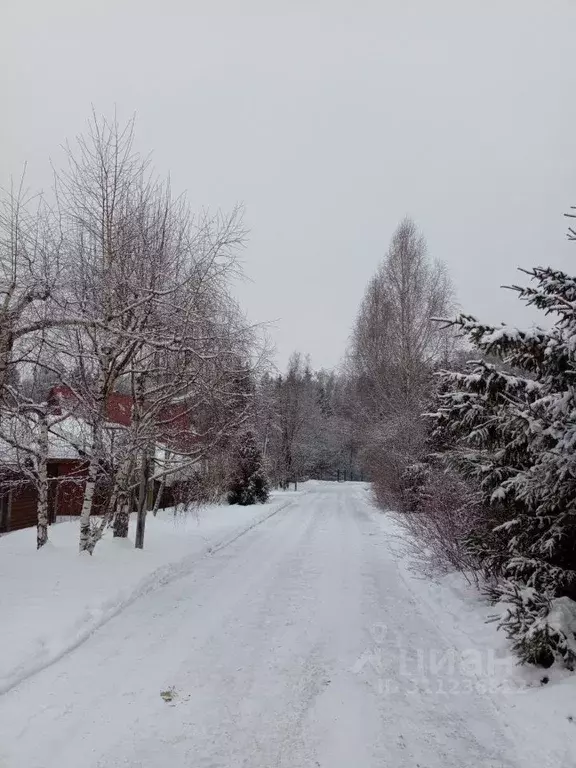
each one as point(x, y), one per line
point(249, 484)
point(511, 429)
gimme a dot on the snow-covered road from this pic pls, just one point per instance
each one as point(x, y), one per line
point(299, 644)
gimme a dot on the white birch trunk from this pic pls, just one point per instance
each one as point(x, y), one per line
point(87, 505)
point(89, 488)
point(86, 545)
point(115, 505)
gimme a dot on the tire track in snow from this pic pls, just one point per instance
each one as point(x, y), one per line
point(158, 578)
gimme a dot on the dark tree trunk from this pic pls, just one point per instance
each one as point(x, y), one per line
point(142, 502)
point(122, 519)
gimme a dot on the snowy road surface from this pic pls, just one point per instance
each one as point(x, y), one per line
point(300, 644)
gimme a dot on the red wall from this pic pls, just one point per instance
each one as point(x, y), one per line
point(68, 494)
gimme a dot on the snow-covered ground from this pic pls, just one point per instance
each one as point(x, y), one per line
point(290, 635)
point(537, 707)
point(52, 600)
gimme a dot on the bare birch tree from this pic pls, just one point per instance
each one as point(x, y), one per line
point(123, 290)
point(30, 271)
point(395, 345)
point(150, 281)
point(27, 431)
point(395, 340)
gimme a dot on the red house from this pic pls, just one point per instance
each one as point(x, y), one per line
point(66, 466)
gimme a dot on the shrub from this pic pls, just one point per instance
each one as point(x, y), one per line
point(248, 484)
point(540, 628)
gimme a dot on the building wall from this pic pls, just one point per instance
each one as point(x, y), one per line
point(118, 405)
point(21, 506)
point(68, 493)
point(65, 496)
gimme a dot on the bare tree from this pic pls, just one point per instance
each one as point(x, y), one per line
point(395, 341)
point(150, 281)
point(29, 270)
point(104, 198)
point(28, 430)
point(122, 290)
point(395, 346)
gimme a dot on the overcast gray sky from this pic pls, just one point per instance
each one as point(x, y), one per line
point(330, 121)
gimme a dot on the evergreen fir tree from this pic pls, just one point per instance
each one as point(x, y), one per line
point(513, 432)
point(249, 484)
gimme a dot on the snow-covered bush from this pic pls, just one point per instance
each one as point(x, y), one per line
point(394, 455)
point(540, 628)
point(440, 512)
point(437, 507)
point(249, 484)
point(415, 481)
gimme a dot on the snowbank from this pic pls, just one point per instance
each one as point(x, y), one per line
point(537, 706)
point(52, 600)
